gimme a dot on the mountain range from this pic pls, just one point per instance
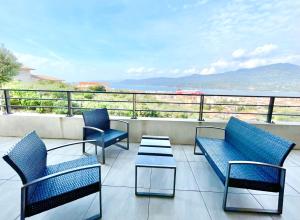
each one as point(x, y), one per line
point(275, 77)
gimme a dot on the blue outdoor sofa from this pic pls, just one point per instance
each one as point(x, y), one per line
point(46, 187)
point(247, 157)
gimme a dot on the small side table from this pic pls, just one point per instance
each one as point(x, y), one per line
point(161, 162)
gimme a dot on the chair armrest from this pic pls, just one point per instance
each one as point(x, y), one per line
point(122, 121)
point(69, 144)
point(93, 128)
point(63, 173)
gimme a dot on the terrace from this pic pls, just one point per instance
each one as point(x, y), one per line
point(199, 192)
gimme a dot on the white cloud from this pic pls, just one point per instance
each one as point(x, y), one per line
point(208, 70)
point(140, 70)
point(256, 52)
point(31, 60)
point(54, 65)
point(175, 71)
point(191, 70)
point(238, 53)
point(291, 58)
point(263, 50)
point(251, 63)
point(221, 63)
point(259, 56)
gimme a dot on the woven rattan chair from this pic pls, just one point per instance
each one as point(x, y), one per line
point(46, 187)
point(97, 127)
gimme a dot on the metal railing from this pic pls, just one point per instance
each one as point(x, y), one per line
point(15, 99)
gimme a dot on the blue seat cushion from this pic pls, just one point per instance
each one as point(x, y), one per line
point(63, 189)
point(219, 152)
point(111, 136)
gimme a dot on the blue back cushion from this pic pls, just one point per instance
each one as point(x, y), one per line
point(28, 157)
point(257, 144)
point(97, 118)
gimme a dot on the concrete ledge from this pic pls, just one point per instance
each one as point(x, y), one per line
point(181, 131)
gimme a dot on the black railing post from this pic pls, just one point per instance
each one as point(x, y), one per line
point(7, 101)
point(69, 98)
point(133, 106)
point(270, 109)
point(201, 105)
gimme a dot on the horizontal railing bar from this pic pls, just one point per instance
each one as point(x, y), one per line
point(154, 93)
point(233, 104)
point(288, 106)
point(92, 100)
point(38, 99)
point(237, 113)
point(154, 110)
point(36, 106)
point(115, 109)
point(157, 102)
point(295, 115)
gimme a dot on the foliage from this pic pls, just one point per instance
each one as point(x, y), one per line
point(9, 67)
point(98, 88)
point(146, 106)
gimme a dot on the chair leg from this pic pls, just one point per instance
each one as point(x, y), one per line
point(22, 214)
point(225, 195)
point(128, 143)
point(83, 148)
point(96, 152)
point(100, 193)
point(278, 211)
point(103, 155)
point(197, 153)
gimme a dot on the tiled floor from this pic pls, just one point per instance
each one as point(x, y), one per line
point(198, 190)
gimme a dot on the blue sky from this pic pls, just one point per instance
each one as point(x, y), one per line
point(112, 40)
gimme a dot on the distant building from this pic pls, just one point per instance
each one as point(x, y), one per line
point(87, 85)
point(46, 77)
point(25, 75)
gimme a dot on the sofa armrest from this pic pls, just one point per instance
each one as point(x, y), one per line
point(255, 163)
point(237, 162)
point(207, 127)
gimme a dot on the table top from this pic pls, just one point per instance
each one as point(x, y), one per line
point(155, 151)
point(155, 137)
point(155, 161)
point(155, 143)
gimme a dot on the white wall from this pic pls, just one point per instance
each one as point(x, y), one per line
point(180, 131)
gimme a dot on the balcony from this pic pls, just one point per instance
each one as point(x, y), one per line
point(199, 192)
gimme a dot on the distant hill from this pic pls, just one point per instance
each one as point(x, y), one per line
point(274, 77)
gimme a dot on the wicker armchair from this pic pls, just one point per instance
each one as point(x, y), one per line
point(97, 127)
point(46, 187)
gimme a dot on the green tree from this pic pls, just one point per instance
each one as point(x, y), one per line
point(99, 88)
point(9, 67)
